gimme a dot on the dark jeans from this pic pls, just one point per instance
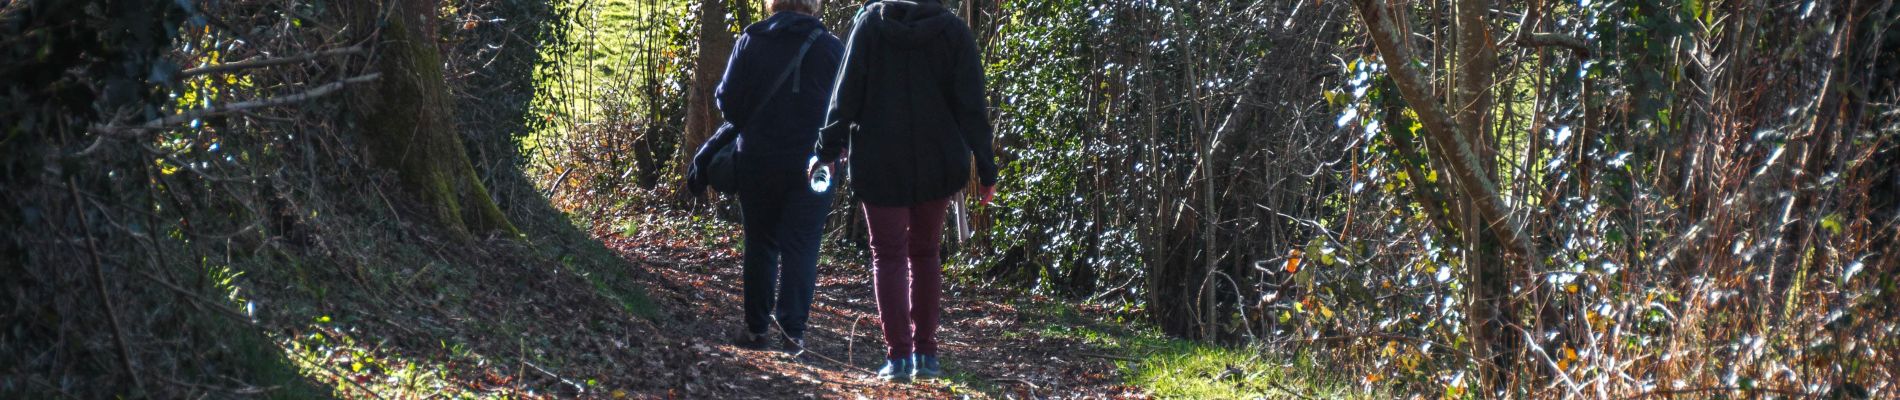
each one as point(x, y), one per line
point(909, 274)
point(784, 221)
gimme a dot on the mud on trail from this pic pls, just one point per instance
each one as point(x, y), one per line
point(991, 344)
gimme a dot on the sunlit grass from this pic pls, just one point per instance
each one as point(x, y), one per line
point(354, 369)
point(1174, 368)
point(1180, 369)
point(608, 44)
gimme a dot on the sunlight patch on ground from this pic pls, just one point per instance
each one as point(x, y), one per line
point(352, 369)
point(1166, 367)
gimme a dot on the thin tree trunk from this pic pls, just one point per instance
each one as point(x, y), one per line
point(1489, 303)
point(1493, 237)
point(702, 115)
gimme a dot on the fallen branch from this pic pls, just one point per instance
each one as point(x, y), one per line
point(258, 62)
point(577, 387)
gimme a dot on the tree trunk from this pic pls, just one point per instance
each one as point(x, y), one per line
point(1490, 237)
point(1174, 274)
point(1489, 303)
point(702, 114)
point(408, 121)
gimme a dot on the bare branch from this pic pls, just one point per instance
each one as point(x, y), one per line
point(267, 62)
point(1573, 43)
point(1442, 133)
point(187, 116)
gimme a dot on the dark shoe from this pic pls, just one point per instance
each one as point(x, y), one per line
point(749, 340)
point(792, 345)
point(896, 370)
point(927, 366)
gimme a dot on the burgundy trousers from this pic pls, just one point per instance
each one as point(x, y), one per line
point(908, 274)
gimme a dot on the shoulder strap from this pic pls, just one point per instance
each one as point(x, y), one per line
point(797, 65)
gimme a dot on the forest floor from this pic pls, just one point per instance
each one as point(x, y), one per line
point(995, 344)
point(642, 308)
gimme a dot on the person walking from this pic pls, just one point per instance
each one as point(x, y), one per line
point(909, 110)
point(773, 98)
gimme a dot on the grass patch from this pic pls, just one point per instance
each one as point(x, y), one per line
point(1174, 368)
point(611, 45)
point(1181, 369)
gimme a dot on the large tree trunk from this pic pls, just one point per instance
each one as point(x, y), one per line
point(408, 120)
point(702, 115)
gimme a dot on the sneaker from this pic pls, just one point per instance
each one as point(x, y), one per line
point(748, 340)
point(927, 366)
point(792, 345)
point(896, 370)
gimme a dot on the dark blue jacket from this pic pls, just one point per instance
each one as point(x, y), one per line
point(785, 129)
point(910, 106)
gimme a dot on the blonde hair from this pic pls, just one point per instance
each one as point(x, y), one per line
point(807, 7)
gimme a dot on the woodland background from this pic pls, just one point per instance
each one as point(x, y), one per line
point(1459, 198)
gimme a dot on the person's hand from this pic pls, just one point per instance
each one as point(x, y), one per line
point(811, 171)
point(986, 194)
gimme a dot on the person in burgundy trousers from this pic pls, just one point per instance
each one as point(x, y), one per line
point(909, 110)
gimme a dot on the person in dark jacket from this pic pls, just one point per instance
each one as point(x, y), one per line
point(909, 108)
point(783, 218)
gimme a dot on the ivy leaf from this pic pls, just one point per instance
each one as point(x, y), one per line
point(1832, 223)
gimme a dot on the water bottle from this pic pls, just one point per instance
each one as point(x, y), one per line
point(820, 177)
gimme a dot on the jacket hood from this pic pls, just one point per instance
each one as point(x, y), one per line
point(907, 23)
point(785, 23)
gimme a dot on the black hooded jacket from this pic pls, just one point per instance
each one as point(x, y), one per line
point(910, 106)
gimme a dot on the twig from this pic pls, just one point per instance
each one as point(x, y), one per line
point(851, 342)
point(99, 281)
point(258, 62)
point(248, 390)
point(1033, 388)
point(186, 116)
point(1110, 356)
point(578, 389)
point(803, 351)
point(197, 300)
point(556, 186)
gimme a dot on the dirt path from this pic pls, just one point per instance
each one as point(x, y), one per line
point(989, 349)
